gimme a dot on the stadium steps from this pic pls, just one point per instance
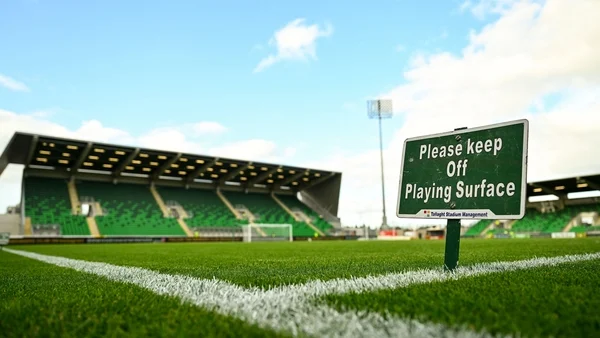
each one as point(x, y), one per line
point(28, 231)
point(257, 228)
point(245, 212)
point(509, 224)
point(319, 231)
point(241, 213)
point(129, 210)
point(267, 211)
point(313, 217)
point(98, 211)
point(488, 228)
point(184, 227)
point(73, 197)
point(572, 223)
point(281, 204)
point(204, 208)
point(291, 213)
point(93, 226)
point(183, 214)
point(159, 201)
point(228, 204)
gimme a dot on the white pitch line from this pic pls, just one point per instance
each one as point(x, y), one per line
point(291, 308)
point(422, 276)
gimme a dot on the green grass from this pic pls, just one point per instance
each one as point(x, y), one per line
point(268, 264)
point(41, 299)
point(562, 301)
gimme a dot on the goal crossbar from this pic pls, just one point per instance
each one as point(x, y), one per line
point(267, 232)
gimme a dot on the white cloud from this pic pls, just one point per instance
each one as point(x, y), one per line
point(482, 8)
point(254, 150)
point(531, 51)
point(209, 128)
point(12, 84)
point(169, 139)
point(177, 138)
point(295, 41)
point(42, 113)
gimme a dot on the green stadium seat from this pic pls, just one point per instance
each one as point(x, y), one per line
point(293, 202)
point(267, 211)
point(130, 210)
point(477, 228)
point(205, 207)
point(536, 221)
point(47, 203)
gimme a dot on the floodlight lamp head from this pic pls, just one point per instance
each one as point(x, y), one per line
point(380, 109)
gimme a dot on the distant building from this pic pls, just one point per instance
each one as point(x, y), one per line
point(13, 209)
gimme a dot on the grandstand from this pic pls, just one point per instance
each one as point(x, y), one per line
point(88, 189)
point(563, 212)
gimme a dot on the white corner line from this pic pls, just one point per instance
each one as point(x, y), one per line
point(292, 308)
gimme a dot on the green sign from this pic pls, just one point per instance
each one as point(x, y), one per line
point(478, 173)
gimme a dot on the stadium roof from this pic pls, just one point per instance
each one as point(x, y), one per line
point(85, 156)
point(562, 187)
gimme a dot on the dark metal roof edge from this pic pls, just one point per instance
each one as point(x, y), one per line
point(165, 152)
point(574, 177)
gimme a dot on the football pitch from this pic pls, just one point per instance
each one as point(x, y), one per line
point(511, 287)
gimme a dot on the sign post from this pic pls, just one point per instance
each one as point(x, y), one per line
point(478, 173)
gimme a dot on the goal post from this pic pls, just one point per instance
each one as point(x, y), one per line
point(267, 232)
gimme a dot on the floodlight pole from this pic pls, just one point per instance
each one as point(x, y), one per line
point(384, 220)
point(377, 112)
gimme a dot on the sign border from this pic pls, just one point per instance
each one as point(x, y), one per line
point(421, 214)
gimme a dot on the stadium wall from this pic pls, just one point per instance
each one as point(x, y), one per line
point(10, 223)
point(324, 198)
point(3, 162)
point(22, 212)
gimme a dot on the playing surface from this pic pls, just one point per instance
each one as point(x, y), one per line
point(542, 287)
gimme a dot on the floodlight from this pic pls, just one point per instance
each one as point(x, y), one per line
point(381, 109)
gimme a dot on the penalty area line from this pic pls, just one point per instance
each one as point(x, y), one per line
point(292, 308)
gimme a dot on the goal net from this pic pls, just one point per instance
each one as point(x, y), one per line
point(267, 232)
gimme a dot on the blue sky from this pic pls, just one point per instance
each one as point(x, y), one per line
point(148, 72)
point(142, 65)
